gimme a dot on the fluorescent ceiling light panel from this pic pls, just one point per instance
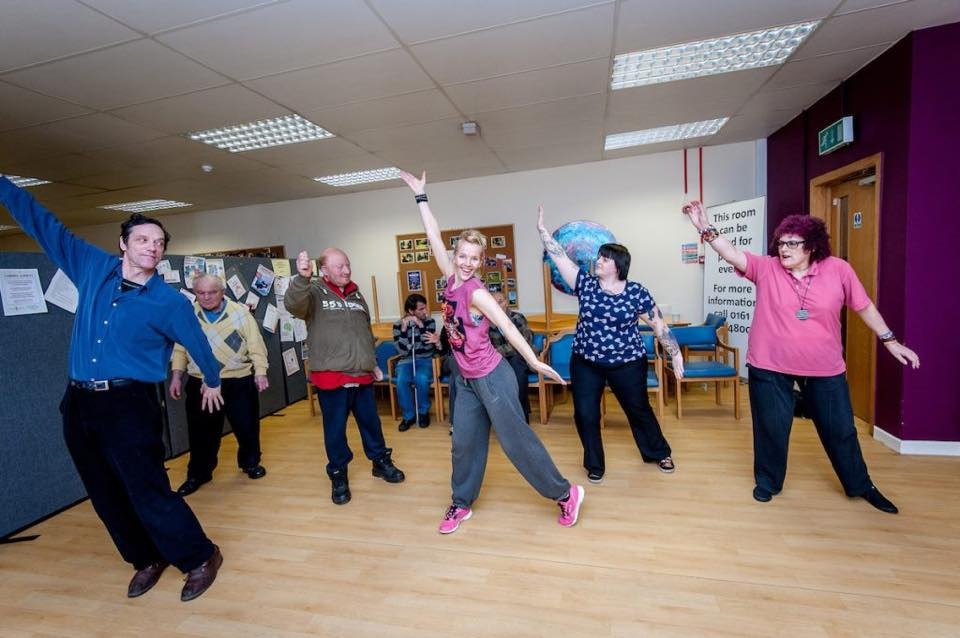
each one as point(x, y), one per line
point(664, 134)
point(24, 182)
point(751, 50)
point(146, 205)
point(289, 129)
point(361, 177)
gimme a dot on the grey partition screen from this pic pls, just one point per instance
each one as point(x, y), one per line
point(36, 473)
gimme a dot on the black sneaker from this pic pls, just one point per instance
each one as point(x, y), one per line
point(384, 468)
point(255, 472)
point(595, 477)
point(424, 420)
point(340, 487)
point(762, 494)
point(405, 424)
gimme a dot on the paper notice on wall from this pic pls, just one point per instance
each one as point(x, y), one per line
point(290, 361)
point(299, 330)
point(236, 284)
point(725, 292)
point(215, 268)
point(286, 328)
point(21, 292)
point(163, 266)
point(688, 254)
point(270, 319)
point(252, 301)
point(61, 292)
point(189, 295)
point(172, 276)
point(193, 267)
point(281, 267)
point(263, 280)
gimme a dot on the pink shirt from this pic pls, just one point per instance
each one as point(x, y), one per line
point(781, 342)
point(468, 333)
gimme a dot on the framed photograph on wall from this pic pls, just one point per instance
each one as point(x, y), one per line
point(454, 240)
point(421, 243)
point(494, 278)
point(440, 284)
point(498, 241)
point(438, 296)
point(422, 256)
point(414, 281)
point(406, 258)
point(406, 244)
point(495, 287)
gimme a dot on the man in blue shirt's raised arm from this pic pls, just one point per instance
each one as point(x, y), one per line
point(127, 321)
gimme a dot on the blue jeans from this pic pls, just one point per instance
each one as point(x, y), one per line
point(335, 406)
point(827, 400)
point(405, 386)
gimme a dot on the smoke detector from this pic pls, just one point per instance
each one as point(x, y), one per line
point(470, 128)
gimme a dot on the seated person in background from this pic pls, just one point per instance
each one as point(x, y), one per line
point(235, 338)
point(415, 335)
point(512, 356)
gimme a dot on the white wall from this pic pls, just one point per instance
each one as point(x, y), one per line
point(638, 198)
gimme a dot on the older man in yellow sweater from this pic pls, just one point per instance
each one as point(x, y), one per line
point(236, 342)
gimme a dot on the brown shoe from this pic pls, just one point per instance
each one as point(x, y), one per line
point(145, 579)
point(200, 578)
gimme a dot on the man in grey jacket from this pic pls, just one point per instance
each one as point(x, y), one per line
point(343, 364)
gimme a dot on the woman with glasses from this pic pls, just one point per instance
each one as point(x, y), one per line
point(795, 337)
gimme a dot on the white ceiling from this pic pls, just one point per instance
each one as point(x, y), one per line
point(96, 95)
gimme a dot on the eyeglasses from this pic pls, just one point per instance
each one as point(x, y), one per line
point(791, 243)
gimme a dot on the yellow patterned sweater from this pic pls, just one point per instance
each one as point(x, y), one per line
point(235, 340)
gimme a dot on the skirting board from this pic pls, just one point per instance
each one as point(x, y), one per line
point(924, 448)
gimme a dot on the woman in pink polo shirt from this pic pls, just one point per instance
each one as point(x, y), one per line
point(486, 387)
point(795, 337)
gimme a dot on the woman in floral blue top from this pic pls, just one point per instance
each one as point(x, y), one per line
point(608, 350)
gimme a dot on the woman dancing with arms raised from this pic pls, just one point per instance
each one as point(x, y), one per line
point(487, 386)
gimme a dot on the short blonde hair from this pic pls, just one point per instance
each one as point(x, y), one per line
point(474, 237)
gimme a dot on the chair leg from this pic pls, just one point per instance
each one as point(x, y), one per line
point(391, 389)
point(660, 402)
point(736, 399)
point(438, 400)
point(716, 385)
point(679, 400)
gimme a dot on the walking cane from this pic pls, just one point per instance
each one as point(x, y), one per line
point(413, 359)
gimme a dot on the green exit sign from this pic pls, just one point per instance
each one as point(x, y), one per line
point(838, 134)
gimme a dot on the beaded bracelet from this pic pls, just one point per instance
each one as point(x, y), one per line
point(708, 234)
point(887, 337)
point(420, 198)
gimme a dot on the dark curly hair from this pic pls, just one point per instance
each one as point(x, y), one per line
point(816, 239)
point(136, 219)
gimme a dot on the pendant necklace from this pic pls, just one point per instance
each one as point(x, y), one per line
point(802, 314)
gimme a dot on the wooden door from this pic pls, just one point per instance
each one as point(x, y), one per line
point(854, 230)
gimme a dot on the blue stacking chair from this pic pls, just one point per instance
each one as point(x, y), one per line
point(387, 357)
point(717, 370)
point(556, 353)
point(719, 323)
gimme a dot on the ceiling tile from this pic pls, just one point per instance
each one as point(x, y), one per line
point(574, 120)
point(176, 155)
point(61, 167)
point(145, 16)
point(73, 135)
point(849, 6)
point(35, 31)
point(118, 76)
point(283, 37)
point(544, 156)
point(399, 110)
point(647, 24)
point(560, 39)
point(429, 19)
point(440, 133)
point(794, 98)
point(365, 78)
point(530, 87)
point(211, 108)
point(877, 26)
point(19, 107)
point(304, 152)
point(826, 68)
point(338, 165)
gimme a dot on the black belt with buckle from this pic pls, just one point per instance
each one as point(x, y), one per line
point(101, 386)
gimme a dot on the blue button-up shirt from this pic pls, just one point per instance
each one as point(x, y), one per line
point(116, 335)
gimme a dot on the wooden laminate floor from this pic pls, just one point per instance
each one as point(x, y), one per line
point(688, 554)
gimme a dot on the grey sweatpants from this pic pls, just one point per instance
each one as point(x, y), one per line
point(492, 400)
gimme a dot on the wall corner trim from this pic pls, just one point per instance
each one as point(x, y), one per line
point(919, 448)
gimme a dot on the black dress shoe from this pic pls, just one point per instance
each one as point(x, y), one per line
point(340, 494)
point(762, 494)
point(200, 578)
point(423, 420)
point(256, 472)
point(144, 580)
point(405, 424)
point(878, 500)
point(190, 486)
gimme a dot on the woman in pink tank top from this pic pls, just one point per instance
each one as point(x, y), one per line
point(487, 394)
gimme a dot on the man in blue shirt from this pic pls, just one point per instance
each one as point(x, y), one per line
point(127, 321)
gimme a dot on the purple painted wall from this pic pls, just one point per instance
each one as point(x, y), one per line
point(894, 101)
point(931, 407)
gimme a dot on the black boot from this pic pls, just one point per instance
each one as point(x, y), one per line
point(341, 486)
point(384, 468)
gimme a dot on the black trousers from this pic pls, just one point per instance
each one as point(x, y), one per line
point(114, 438)
point(827, 400)
point(335, 406)
point(241, 404)
point(628, 382)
